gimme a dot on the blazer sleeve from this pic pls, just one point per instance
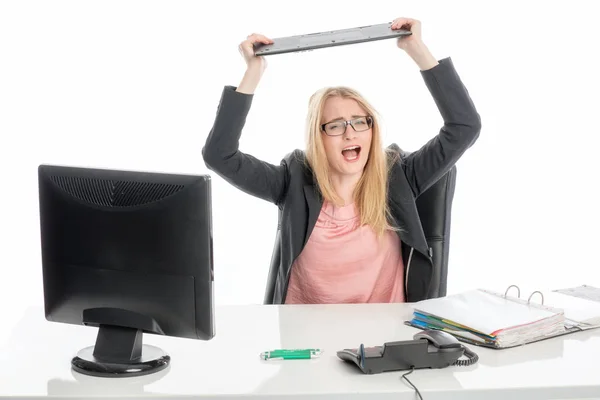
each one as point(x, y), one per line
point(460, 130)
point(222, 155)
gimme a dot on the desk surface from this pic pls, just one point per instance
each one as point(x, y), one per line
point(35, 361)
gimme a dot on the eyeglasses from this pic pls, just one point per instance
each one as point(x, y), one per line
point(337, 128)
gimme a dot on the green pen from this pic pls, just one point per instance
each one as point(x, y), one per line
point(291, 354)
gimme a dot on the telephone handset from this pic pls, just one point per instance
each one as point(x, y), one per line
point(428, 349)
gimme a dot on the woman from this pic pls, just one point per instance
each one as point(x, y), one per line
point(349, 228)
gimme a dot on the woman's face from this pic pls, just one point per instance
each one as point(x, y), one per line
point(347, 147)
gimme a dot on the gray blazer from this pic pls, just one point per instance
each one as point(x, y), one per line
point(290, 185)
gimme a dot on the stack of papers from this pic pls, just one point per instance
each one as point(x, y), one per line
point(490, 319)
point(580, 304)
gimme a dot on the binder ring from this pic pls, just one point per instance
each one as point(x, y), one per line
point(537, 291)
point(515, 286)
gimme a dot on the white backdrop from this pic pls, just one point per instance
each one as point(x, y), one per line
point(135, 85)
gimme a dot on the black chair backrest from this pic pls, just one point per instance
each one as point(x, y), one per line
point(435, 211)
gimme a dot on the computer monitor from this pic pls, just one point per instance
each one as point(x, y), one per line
point(130, 253)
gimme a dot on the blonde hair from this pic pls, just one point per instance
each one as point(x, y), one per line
point(370, 194)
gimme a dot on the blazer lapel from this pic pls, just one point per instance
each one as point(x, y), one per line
point(314, 202)
point(408, 236)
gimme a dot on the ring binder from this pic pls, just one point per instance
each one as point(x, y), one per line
point(499, 320)
point(509, 322)
point(519, 294)
point(511, 286)
point(531, 295)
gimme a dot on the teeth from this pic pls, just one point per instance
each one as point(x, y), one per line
point(351, 148)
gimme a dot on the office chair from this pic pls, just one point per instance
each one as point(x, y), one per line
point(435, 210)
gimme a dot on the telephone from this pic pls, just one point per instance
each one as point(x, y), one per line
point(428, 349)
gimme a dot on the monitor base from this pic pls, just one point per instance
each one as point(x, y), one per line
point(153, 359)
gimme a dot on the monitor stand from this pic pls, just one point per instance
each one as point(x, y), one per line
point(119, 351)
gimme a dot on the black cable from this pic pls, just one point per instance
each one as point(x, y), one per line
point(472, 358)
point(410, 383)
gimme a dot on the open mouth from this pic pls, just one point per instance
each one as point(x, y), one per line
point(351, 153)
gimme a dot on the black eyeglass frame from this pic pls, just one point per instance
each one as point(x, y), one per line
point(349, 122)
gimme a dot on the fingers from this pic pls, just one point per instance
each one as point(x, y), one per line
point(246, 48)
point(404, 23)
point(258, 38)
point(401, 22)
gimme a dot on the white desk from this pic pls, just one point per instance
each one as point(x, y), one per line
point(35, 362)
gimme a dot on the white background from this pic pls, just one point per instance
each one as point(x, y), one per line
point(135, 85)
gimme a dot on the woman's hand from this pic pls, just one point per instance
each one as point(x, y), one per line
point(246, 49)
point(413, 44)
point(255, 64)
point(412, 25)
